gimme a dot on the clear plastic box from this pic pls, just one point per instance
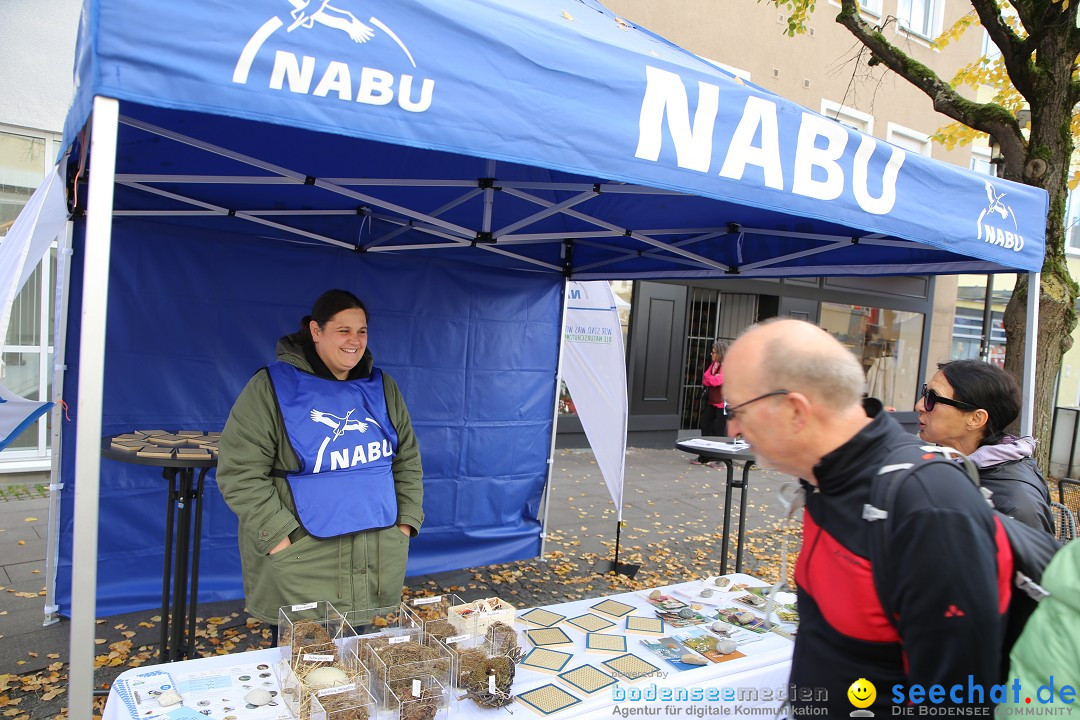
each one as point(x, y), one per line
point(309, 629)
point(418, 698)
point(355, 704)
point(406, 653)
point(377, 620)
point(473, 618)
point(485, 664)
point(309, 675)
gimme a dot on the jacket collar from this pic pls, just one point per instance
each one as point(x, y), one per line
point(847, 465)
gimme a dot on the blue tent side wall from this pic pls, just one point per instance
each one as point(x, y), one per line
point(192, 317)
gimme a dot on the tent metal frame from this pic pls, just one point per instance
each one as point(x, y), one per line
point(105, 124)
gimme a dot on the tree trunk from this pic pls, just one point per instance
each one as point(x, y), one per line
point(1056, 322)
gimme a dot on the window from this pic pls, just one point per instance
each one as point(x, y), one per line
point(26, 360)
point(921, 17)
point(887, 343)
point(871, 6)
point(980, 161)
point(851, 117)
point(911, 140)
point(1072, 224)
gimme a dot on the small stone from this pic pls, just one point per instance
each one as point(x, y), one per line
point(722, 582)
point(693, 659)
point(726, 646)
point(720, 628)
point(744, 616)
point(706, 593)
point(258, 696)
point(169, 697)
point(655, 594)
point(686, 613)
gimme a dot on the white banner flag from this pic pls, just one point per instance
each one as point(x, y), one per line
point(594, 370)
point(38, 224)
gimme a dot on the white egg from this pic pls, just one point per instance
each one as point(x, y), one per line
point(325, 677)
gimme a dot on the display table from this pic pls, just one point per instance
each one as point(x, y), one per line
point(184, 509)
point(756, 680)
point(721, 449)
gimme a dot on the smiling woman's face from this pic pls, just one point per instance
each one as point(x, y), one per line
point(342, 341)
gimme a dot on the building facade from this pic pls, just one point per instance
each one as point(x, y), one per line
point(37, 47)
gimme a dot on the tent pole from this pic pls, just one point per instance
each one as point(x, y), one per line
point(1027, 409)
point(104, 124)
point(60, 306)
point(554, 421)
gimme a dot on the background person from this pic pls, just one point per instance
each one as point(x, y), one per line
point(967, 405)
point(795, 393)
point(320, 464)
point(713, 420)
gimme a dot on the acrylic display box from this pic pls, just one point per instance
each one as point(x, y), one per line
point(485, 664)
point(405, 653)
point(417, 698)
point(319, 654)
point(335, 704)
point(473, 618)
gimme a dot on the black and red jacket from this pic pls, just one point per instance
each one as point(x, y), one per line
point(950, 581)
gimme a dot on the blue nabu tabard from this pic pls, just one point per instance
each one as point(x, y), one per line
point(342, 434)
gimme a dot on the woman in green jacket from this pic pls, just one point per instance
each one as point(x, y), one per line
point(320, 464)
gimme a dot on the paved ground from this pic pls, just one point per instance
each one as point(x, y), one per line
point(673, 516)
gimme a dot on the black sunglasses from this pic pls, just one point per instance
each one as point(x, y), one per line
point(931, 399)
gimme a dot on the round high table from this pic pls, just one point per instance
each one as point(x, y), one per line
point(715, 448)
point(184, 508)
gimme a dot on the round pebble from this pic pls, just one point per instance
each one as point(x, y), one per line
point(720, 627)
point(726, 646)
point(686, 613)
point(655, 594)
point(258, 696)
point(693, 659)
point(706, 593)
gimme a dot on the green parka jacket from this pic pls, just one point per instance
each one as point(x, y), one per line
point(354, 572)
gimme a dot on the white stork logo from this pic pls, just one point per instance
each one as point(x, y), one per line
point(990, 228)
point(340, 425)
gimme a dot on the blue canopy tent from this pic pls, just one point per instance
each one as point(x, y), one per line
point(454, 162)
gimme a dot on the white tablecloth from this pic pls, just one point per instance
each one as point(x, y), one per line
point(755, 681)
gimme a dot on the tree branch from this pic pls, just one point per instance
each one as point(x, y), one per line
point(985, 117)
point(1016, 52)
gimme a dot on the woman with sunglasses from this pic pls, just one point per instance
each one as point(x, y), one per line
point(966, 406)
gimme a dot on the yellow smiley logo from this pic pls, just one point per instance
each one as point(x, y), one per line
point(862, 693)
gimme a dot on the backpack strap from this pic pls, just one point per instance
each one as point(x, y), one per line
point(898, 465)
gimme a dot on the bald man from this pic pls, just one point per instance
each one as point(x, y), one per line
point(795, 394)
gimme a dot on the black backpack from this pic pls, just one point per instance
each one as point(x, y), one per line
point(1032, 549)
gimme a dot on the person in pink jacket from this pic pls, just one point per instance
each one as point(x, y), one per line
point(713, 407)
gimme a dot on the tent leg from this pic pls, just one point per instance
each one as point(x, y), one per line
point(104, 125)
point(605, 567)
point(1027, 411)
point(60, 305)
point(554, 427)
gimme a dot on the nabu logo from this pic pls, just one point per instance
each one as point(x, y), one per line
point(997, 222)
point(316, 23)
point(358, 454)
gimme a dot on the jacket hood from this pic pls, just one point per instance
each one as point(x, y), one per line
point(301, 355)
point(1010, 448)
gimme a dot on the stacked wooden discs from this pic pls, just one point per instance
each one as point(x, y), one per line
point(182, 445)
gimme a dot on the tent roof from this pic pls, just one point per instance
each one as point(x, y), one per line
point(530, 133)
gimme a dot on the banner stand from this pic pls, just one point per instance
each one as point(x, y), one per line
point(605, 567)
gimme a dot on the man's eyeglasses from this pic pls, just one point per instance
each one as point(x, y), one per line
point(931, 399)
point(731, 411)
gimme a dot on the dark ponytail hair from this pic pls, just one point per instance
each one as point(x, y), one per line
point(987, 387)
point(329, 304)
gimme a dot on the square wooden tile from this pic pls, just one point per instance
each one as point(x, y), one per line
point(630, 667)
point(542, 618)
point(590, 623)
point(545, 660)
point(644, 625)
point(587, 679)
point(601, 643)
point(548, 637)
point(614, 608)
point(547, 699)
